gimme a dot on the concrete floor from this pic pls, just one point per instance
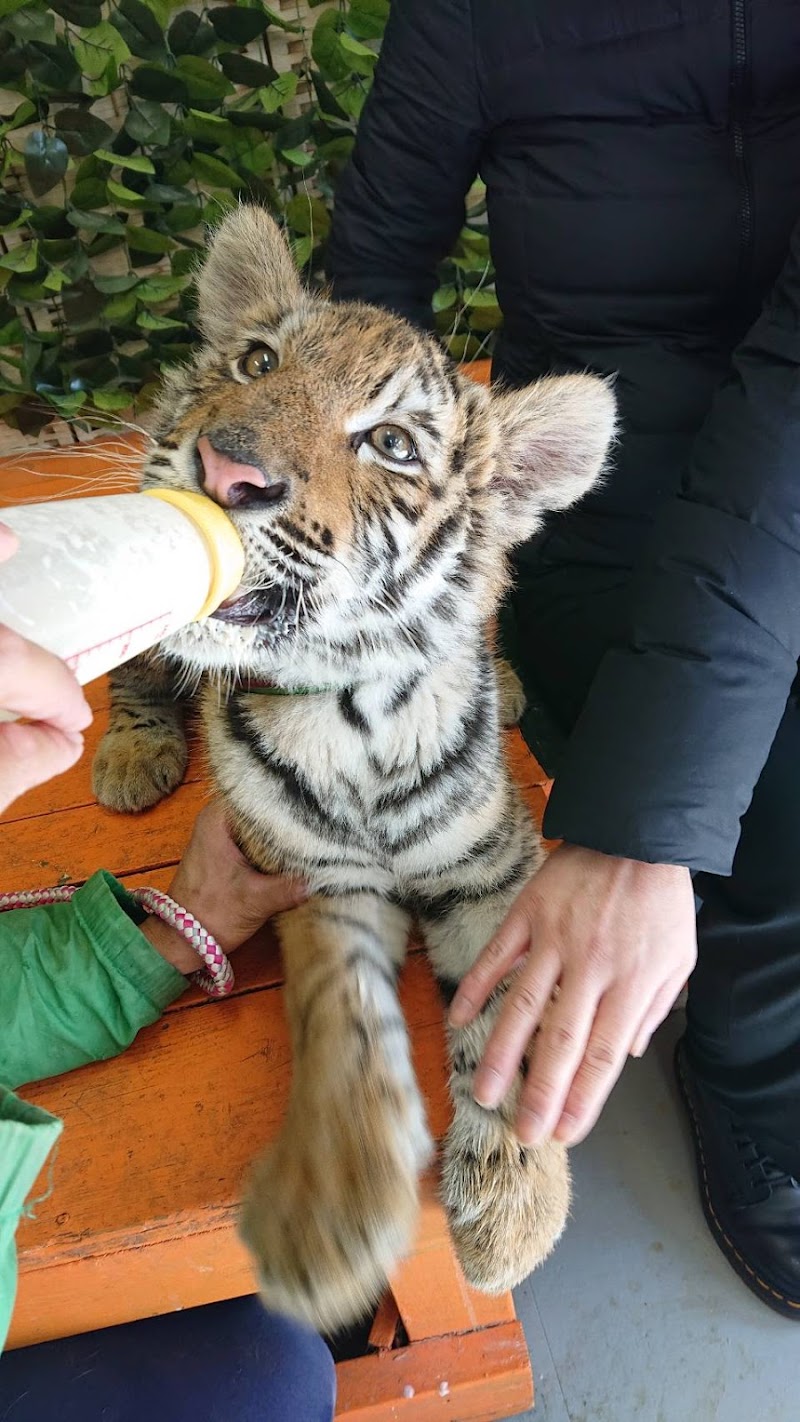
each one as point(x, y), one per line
point(638, 1317)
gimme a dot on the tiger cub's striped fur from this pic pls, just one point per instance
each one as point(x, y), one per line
point(377, 492)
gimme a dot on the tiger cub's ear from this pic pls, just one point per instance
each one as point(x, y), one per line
point(554, 437)
point(247, 275)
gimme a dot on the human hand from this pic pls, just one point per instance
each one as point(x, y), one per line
point(617, 939)
point(227, 895)
point(36, 685)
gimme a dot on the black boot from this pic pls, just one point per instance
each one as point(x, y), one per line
point(751, 1206)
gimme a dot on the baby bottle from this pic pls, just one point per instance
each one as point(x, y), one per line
point(98, 580)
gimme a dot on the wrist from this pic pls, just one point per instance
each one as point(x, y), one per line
point(171, 946)
point(645, 867)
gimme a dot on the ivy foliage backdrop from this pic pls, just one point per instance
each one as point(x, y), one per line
point(125, 129)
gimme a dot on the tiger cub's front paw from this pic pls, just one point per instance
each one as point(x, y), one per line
point(511, 692)
point(507, 1204)
point(136, 766)
point(331, 1209)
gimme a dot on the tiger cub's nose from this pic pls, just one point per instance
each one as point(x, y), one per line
point(233, 484)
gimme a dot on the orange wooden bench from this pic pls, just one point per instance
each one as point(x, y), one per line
point(148, 1176)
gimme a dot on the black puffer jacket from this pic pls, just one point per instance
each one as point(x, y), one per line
point(642, 164)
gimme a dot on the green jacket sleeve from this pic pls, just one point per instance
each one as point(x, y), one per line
point(27, 1136)
point(79, 981)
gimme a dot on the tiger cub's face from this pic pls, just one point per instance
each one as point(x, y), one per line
point(375, 489)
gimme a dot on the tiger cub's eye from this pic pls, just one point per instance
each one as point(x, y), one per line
point(260, 360)
point(394, 443)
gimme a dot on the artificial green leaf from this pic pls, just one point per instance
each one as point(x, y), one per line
point(95, 222)
point(151, 321)
point(112, 399)
point(218, 204)
point(279, 92)
point(352, 99)
point(22, 219)
point(155, 289)
point(308, 215)
point(328, 103)
point(486, 318)
point(183, 263)
point(145, 239)
point(236, 24)
point(23, 259)
point(54, 66)
point(147, 123)
point(444, 298)
point(214, 171)
point(362, 60)
point(134, 161)
point(23, 114)
point(208, 128)
point(326, 51)
point(479, 296)
point(252, 151)
point(150, 81)
point(57, 250)
point(56, 279)
point(254, 118)
point(139, 29)
point(11, 334)
point(301, 251)
point(280, 21)
point(11, 205)
point(78, 12)
point(295, 132)
point(68, 405)
point(166, 193)
point(46, 160)
point(204, 84)
point(367, 18)
point(89, 194)
point(78, 265)
point(81, 130)
point(96, 46)
point(189, 35)
point(113, 285)
point(183, 216)
point(126, 196)
point(247, 71)
point(120, 307)
point(298, 156)
point(50, 220)
point(162, 10)
point(171, 353)
point(107, 81)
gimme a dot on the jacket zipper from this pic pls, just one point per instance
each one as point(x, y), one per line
point(739, 86)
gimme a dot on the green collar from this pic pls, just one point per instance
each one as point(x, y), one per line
point(267, 688)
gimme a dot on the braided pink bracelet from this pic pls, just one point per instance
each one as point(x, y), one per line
point(216, 978)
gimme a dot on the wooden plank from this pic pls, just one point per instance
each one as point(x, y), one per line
point(108, 464)
point(431, 1292)
point(478, 370)
point(68, 846)
point(475, 1377)
point(156, 1148)
point(522, 762)
point(201, 1265)
point(385, 1323)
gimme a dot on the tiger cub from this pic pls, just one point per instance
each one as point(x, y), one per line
point(377, 492)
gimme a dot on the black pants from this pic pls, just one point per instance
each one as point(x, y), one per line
point(744, 997)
